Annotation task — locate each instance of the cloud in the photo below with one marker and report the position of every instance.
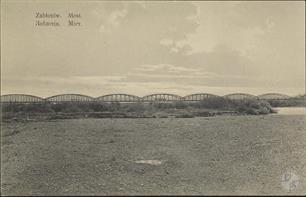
(183, 76)
(113, 20)
(124, 46)
(165, 69)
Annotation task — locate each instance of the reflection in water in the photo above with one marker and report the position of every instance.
(291, 110)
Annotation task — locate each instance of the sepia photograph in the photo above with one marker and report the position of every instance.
(126, 98)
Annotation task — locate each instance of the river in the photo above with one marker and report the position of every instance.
(291, 110)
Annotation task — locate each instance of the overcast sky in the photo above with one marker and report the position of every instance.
(153, 47)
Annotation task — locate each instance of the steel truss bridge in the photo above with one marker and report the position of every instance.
(127, 98)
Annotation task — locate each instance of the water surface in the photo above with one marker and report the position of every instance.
(291, 110)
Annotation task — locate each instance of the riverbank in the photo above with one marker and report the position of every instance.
(290, 110)
(209, 107)
(7, 117)
(234, 155)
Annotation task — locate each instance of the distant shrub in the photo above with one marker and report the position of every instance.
(42, 108)
(248, 106)
(27, 107)
(251, 111)
(135, 107)
(71, 109)
(164, 105)
(66, 107)
(211, 103)
(252, 106)
(180, 105)
(99, 107)
(114, 106)
(185, 115)
(160, 115)
(287, 103)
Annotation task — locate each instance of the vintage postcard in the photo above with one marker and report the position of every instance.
(152, 98)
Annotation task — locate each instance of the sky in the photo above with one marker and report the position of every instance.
(143, 48)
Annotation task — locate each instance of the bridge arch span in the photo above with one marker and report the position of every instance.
(199, 97)
(20, 98)
(70, 98)
(240, 96)
(118, 98)
(161, 97)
